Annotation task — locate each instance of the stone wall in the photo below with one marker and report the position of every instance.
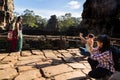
(100, 16)
(6, 12)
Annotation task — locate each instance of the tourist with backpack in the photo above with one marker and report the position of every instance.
(101, 61)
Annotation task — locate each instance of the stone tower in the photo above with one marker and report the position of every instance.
(6, 12)
(102, 16)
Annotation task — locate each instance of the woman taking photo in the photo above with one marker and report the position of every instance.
(101, 58)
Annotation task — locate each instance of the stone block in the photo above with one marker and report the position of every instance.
(75, 75)
(29, 75)
(8, 74)
(55, 70)
(76, 65)
(49, 54)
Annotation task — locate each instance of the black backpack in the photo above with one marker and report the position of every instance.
(116, 57)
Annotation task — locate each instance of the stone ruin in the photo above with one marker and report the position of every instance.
(6, 12)
(101, 16)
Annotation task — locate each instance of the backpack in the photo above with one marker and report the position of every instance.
(116, 57)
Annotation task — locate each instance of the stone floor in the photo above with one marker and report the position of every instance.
(44, 65)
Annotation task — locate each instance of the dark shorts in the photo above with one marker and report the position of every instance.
(84, 52)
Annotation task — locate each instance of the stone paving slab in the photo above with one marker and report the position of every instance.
(27, 62)
(41, 78)
(76, 65)
(26, 68)
(58, 54)
(31, 57)
(75, 52)
(55, 70)
(86, 71)
(49, 54)
(29, 75)
(68, 60)
(26, 53)
(87, 65)
(43, 65)
(6, 65)
(10, 58)
(8, 73)
(15, 54)
(62, 51)
(2, 56)
(37, 52)
(74, 75)
(66, 54)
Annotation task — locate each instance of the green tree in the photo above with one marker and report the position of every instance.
(67, 21)
(41, 22)
(29, 18)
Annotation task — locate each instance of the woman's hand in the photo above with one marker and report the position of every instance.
(90, 45)
(81, 35)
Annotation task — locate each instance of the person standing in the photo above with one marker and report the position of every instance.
(18, 33)
(89, 40)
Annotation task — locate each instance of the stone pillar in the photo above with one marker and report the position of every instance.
(6, 12)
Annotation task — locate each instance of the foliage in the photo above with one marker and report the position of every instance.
(61, 23)
(28, 18)
(32, 20)
(67, 21)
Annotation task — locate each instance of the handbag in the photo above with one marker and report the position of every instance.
(10, 35)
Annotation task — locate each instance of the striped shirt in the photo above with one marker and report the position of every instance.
(104, 59)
